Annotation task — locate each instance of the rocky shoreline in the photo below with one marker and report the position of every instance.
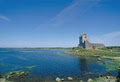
(22, 76)
(11, 76)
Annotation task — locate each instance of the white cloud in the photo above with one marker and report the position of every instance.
(72, 10)
(65, 10)
(4, 18)
(110, 39)
(83, 5)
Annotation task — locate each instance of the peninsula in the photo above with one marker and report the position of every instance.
(86, 48)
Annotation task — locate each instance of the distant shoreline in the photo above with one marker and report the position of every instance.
(47, 48)
(38, 47)
(54, 47)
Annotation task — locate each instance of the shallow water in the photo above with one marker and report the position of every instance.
(48, 63)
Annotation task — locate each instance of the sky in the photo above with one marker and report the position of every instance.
(58, 23)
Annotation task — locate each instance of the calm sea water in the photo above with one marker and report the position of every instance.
(48, 63)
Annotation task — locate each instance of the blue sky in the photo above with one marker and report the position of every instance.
(58, 23)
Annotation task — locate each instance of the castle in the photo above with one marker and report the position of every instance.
(84, 42)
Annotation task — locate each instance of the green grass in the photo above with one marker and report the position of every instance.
(108, 52)
(112, 49)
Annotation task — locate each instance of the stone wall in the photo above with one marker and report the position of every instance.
(87, 45)
(93, 45)
(97, 45)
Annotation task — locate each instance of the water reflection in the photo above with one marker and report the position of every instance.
(83, 66)
(90, 67)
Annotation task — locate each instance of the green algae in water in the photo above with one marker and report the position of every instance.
(104, 79)
(2, 64)
(113, 65)
(31, 67)
(110, 64)
(22, 67)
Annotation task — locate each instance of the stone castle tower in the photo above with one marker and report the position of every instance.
(84, 42)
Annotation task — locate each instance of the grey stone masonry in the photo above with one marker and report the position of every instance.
(84, 42)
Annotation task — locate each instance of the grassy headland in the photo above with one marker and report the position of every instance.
(102, 52)
(112, 53)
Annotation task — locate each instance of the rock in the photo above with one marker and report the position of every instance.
(99, 59)
(58, 79)
(8, 76)
(111, 50)
(90, 80)
(62, 79)
(11, 73)
(100, 75)
(108, 77)
(16, 75)
(22, 72)
(2, 80)
(111, 77)
(77, 50)
(70, 78)
(81, 80)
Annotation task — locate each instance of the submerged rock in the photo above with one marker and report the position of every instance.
(99, 59)
(90, 80)
(4, 80)
(62, 79)
(109, 77)
(81, 80)
(70, 78)
(58, 79)
(16, 75)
